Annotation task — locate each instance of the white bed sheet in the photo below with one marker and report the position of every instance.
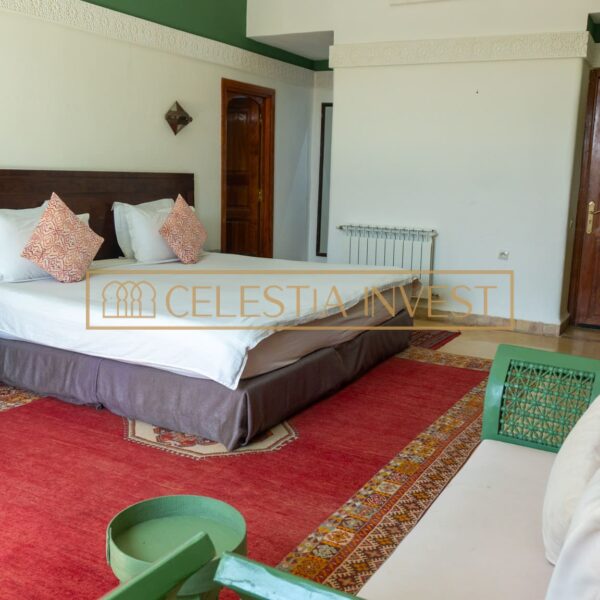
(53, 314)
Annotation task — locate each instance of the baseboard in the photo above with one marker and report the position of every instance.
(565, 322)
(480, 321)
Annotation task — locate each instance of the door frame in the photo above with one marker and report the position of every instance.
(229, 86)
(582, 201)
(324, 107)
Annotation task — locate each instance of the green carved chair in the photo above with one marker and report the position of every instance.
(251, 580)
(534, 397)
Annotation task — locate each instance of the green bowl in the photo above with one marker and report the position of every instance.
(147, 531)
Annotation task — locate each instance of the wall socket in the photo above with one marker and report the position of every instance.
(503, 255)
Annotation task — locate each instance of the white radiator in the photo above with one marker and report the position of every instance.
(401, 247)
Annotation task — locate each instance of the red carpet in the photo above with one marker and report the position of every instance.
(67, 470)
(432, 338)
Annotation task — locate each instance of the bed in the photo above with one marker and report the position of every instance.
(227, 386)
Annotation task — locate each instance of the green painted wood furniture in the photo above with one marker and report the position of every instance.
(148, 531)
(189, 548)
(534, 397)
(166, 574)
(252, 580)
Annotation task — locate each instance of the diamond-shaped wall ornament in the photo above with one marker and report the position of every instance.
(177, 118)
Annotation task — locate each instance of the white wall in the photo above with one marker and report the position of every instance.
(74, 100)
(377, 20)
(323, 92)
(483, 153)
(486, 153)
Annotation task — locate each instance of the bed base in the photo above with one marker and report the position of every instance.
(198, 406)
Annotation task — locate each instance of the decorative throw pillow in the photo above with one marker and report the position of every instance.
(184, 233)
(61, 244)
(577, 572)
(16, 227)
(120, 212)
(574, 466)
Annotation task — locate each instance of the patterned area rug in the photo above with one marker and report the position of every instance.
(11, 397)
(434, 357)
(71, 464)
(199, 448)
(345, 550)
(433, 339)
(182, 444)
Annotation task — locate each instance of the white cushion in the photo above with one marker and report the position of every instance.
(480, 538)
(147, 243)
(120, 212)
(577, 572)
(16, 228)
(576, 462)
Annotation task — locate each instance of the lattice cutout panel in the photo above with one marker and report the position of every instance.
(541, 403)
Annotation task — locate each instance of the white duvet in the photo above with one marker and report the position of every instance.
(54, 314)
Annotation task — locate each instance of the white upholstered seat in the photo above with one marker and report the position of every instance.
(482, 538)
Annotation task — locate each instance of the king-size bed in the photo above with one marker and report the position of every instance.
(226, 383)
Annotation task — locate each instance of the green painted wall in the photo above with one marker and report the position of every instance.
(594, 29)
(220, 20)
(321, 65)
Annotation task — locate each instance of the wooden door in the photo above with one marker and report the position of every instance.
(247, 154)
(585, 284)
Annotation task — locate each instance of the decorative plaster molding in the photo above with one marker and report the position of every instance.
(124, 28)
(477, 49)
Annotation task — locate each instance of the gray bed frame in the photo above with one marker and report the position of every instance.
(196, 406)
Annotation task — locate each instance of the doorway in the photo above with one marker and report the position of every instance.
(247, 159)
(584, 300)
(324, 178)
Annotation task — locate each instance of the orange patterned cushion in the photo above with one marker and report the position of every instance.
(61, 244)
(184, 233)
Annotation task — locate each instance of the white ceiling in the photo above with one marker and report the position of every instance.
(313, 45)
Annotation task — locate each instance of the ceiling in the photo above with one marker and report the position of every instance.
(313, 45)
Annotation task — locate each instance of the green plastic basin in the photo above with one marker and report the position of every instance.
(148, 530)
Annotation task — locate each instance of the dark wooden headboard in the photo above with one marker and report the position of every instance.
(92, 192)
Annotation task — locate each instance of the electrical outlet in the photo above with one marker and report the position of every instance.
(503, 255)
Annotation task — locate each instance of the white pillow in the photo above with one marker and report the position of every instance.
(577, 572)
(120, 211)
(574, 466)
(16, 228)
(144, 228)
